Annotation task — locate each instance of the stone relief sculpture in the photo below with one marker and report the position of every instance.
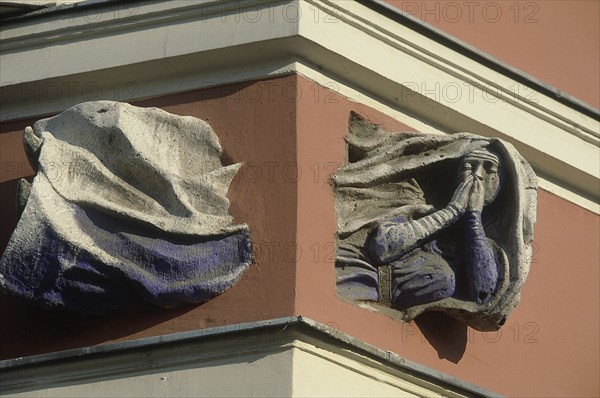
(128, 204)
(433, 222)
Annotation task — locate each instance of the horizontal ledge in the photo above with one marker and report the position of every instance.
(144, 342)
(298, 328)
(206, 8)
(262, 60)
(481, 57)
(561, 141)
(433, 62)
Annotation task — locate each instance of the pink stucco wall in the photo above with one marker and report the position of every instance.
(555, 41)
(289, 143)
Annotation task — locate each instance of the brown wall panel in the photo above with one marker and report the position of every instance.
(548, 346)
(289, 134)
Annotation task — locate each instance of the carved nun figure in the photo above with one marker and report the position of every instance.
(432, 222)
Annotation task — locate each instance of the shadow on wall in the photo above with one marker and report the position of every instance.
(55, 330)
(447, 335)
(8, 210)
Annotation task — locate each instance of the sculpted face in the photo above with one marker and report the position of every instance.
(483, 165)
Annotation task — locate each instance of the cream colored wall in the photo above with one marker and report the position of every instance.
(242, 376)
(236, 376)
(323, 373)
(278, 363)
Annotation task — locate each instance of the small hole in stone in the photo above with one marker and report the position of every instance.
(482, 296)
(102, 110)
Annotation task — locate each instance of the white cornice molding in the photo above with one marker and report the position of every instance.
(241, 344)
(150, 49)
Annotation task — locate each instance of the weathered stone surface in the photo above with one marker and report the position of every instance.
(431, 222)
(127, 204)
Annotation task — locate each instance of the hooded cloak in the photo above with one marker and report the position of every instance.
(409, 175)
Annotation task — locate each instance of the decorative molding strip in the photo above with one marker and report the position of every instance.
(418, 78)
(479, 56)
(117, 19)
(152, 49)
(479, 77)
(231, 341)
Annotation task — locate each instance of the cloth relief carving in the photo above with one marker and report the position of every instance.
(128, 204)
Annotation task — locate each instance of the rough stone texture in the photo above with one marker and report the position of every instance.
(127, 204)
(433, 223)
